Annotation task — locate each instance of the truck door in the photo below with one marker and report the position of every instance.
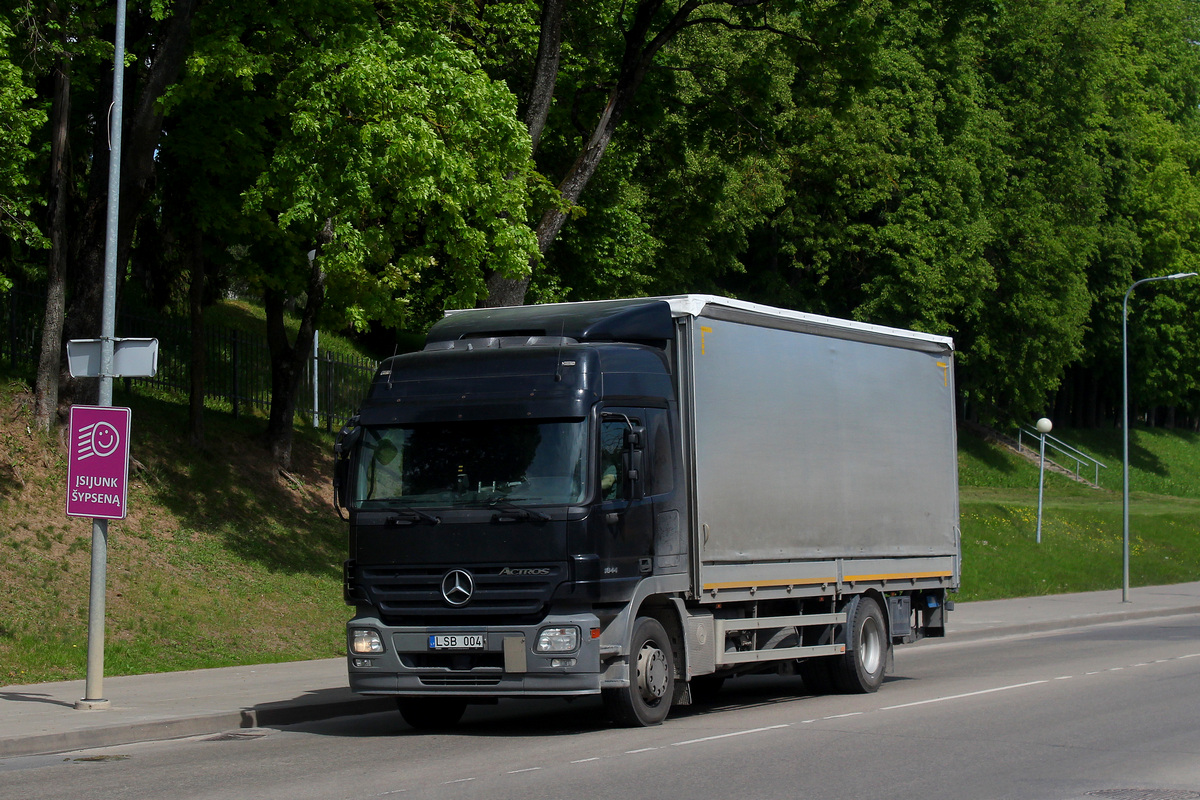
(623, 527)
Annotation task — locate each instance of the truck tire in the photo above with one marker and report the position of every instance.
(431, 713)
(860, 670)
(647, 699)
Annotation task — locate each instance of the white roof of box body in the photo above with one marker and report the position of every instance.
(696, 305)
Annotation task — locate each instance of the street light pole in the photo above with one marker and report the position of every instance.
(94, 699)
(1125, 423)
(1044, 426)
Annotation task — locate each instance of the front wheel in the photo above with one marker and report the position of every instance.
(647, 699)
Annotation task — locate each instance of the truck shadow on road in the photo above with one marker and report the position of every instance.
(518, 718)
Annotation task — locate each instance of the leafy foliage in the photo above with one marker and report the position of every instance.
(20, 117)
(415, 160)
(998, 172)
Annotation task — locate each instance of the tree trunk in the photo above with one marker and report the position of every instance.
(639, 54)
(85, 268)
(545, 71)
(284, 380)
(50, 358)
(196, 368)
(287, 360)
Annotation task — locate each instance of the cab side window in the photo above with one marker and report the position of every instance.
(658, 461)
(612, 459)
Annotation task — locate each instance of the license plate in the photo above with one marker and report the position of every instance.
(457, 641)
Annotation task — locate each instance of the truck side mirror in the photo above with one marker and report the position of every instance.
(341, 470)
(343, 447)
(634, 462)
(634, 436)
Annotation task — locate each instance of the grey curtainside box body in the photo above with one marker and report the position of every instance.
(813, 439)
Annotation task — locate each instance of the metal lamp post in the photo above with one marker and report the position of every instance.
(1125, 422)
(1044, 426)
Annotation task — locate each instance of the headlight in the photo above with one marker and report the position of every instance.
(558, 640)
(365, 641)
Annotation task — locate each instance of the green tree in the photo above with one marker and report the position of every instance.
(1151, 224)
(961, 192)
(58, 42)
(399, 160)
(354, 169)
(72, 44)
(20, 116)
(606, 62)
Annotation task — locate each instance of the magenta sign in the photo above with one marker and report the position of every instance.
(98, 466)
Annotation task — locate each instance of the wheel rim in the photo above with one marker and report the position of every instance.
(870, 646)
(653, 673)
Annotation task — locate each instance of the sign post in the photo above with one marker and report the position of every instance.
(93, 699)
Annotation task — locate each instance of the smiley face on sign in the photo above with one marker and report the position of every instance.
(99, 439)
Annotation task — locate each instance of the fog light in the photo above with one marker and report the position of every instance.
(363, 663)
(562, 662)
(365, 641)
(558, 640)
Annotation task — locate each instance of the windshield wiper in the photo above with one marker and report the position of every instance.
(411, 516)
(514, 510)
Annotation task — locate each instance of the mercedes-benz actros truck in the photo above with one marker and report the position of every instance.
(641, 498)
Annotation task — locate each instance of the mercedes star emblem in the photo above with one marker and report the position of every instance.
(457, 587)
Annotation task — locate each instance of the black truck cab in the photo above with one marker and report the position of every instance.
(508, 488)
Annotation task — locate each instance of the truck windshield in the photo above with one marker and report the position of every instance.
(463, 464)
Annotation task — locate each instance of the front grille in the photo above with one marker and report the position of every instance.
(413, 595)
(459, 662)
(459, 680)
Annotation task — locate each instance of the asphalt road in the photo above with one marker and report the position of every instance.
(1108, 711)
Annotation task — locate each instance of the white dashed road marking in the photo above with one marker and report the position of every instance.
(749, 731)
(961, 696)
(727, 735)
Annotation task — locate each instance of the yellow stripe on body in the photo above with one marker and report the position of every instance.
(897, 576)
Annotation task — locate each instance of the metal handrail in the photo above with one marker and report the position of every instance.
(1078, 456)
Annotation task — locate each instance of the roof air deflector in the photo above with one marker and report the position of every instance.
(645, 321)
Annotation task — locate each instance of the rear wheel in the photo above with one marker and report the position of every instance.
(860, 670)
(647, 699)
(431, 713)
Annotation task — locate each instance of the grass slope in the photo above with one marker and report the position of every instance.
(1081, 547)
(222, 561)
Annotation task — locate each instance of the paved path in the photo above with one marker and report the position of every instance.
(41, 718)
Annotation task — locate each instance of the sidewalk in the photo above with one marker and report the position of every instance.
(41, 718)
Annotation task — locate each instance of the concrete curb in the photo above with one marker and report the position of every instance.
(121, 733)
(1044, 626)
(265, 716)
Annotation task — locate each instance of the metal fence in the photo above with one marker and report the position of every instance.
(237, 373)
(1065, 453)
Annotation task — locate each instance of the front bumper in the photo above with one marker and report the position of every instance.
(506, 667)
